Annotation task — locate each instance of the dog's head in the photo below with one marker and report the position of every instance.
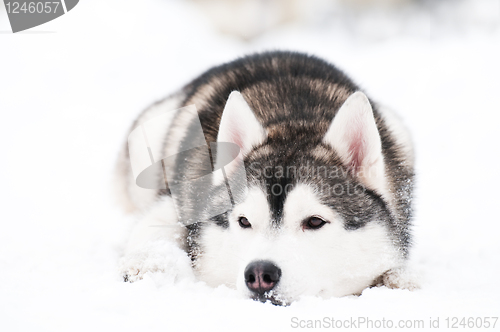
(313, 217)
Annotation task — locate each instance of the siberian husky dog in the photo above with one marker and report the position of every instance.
(324, 208)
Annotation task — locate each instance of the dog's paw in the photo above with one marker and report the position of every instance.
(134, 266)
(398, 279)
(155, 257)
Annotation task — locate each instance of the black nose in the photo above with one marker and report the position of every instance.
(262, 276)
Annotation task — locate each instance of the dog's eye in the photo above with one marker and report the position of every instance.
(313, 223)
(244, 223)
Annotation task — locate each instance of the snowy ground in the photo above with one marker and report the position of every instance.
(69, 90)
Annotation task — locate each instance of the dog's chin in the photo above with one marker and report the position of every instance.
(272, 297)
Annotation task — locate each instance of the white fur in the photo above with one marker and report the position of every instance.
(330, 261)
(223, 257)
(152, 241)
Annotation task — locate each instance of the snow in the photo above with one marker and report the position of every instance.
(70, 89)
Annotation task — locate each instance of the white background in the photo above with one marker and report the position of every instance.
(70, 89)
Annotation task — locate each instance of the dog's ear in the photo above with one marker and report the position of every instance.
(354, 135)
(239, 125)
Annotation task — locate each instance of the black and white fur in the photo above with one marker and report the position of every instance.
(284, 110)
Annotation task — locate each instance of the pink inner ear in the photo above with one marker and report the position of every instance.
(356, 147)
(235, 135)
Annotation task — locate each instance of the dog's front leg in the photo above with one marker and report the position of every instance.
(156, 244)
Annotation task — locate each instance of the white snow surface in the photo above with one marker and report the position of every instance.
(70, 89)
